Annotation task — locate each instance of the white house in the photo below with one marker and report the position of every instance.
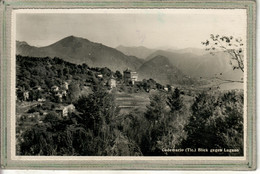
(63, 111)
(111, 82)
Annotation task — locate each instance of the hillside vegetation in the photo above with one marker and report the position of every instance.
(171, 119)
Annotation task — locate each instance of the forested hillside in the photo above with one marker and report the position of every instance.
(173, 119)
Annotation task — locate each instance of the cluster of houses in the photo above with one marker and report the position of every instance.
(129, 77)
(60, 92)
(24, 95)
(57, 92)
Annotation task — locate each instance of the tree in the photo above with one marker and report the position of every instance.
(229, 44)
(97, 109)
(51, 118)
(156, 109)
(65, 71)
(98, 115)
(216, 121)
(174, 101)
(155, 114)
(159, 86)
(25, 85)
(74, 92)
(134, 125)
(34, 82)
(49, 82)
(169, 87)
(118, 75)
(106, 72)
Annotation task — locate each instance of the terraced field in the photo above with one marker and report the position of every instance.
(127, 102)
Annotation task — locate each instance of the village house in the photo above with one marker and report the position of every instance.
(100, 76)
(130, 76)
(41, 99)
(63, 93)
(65, 86)
(63, 111)
(54, 88)
(111, 82)
(25, 95)
(59, 94)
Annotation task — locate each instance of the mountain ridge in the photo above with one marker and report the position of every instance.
(138, 51)
(161, 69)
(174, 66)
(80, 50)
(205, 65)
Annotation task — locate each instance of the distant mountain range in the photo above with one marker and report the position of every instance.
(164, 66)
(204, 65)
(194, 62)
(141, 51)
(161, 69)
(78, 50)
(194, 51)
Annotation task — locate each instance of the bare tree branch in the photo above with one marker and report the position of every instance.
(223, 43)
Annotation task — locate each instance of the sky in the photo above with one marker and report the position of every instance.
(155, 28)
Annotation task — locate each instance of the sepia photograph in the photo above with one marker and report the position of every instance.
(128, 85)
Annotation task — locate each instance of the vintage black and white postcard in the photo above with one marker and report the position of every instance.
(128, 85)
